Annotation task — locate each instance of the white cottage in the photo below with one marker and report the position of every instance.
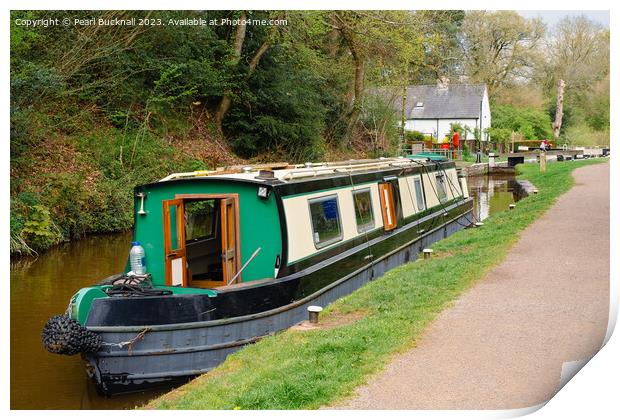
(431, 109)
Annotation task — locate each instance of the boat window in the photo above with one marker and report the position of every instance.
(325, 217)
(419, 194)
(200, 218)
(441, 187)
(363, 210)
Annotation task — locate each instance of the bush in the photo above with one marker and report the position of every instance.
(414, 136)
(39, 231)
(531, 123)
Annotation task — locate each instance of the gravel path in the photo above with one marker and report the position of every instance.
(502, 344)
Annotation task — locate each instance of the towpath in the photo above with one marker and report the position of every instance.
(503, 343)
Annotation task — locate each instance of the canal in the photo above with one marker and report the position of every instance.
(42, 287)
(492, 193)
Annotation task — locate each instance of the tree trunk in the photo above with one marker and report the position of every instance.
(226, 101)
(358, 83)
(257, 56)
(358, 91)
(559, 111)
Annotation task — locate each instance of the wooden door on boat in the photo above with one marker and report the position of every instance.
(174, 243)
(388, 210)
(230, 239)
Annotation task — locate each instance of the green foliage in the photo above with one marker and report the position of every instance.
(95, 196)
(597, 113)
(39, 231)
(314, 368)
(414, 136)
(281, 109)
(532, 123)
(461, 129)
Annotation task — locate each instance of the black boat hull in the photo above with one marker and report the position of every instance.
(149, 355)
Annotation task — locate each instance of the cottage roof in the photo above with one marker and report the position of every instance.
(431, 102)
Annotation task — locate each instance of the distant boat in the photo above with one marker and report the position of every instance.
(237, 254)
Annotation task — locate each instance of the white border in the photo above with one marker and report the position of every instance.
(592, 393)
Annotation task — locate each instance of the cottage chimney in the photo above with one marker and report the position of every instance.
(443, 82)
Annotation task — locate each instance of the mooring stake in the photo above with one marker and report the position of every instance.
(313, 314)
(427, 253)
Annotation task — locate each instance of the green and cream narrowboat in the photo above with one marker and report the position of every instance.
(235, 255)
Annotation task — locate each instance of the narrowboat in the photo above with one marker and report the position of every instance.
(237, 254)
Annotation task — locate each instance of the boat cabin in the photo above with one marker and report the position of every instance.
(216, 229)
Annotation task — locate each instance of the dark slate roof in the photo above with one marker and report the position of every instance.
(455, 101)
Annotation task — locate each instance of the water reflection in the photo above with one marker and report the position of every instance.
(492, 194)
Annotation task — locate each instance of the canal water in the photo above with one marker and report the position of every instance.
(41, 288)
(492, 193)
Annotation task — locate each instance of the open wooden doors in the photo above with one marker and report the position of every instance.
(388, 210)
(230, 250)
(174, 243)
(183, 267)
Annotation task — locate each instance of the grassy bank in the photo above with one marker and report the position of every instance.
(307, 369)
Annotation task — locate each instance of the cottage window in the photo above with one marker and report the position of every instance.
(363, 210)
(419, 194)
(325, 217)
(442, 194)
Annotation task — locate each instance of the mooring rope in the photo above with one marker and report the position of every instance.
(443, 207)
(129, 343)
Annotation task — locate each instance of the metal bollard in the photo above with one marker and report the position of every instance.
(427, 253)
(313, 314)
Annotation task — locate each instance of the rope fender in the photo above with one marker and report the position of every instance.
(63, 335)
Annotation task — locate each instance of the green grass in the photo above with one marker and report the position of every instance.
(307, 369)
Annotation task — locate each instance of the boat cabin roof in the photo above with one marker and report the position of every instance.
(283, 173)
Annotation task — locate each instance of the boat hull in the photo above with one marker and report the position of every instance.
(158, 355)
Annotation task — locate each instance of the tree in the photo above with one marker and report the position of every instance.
(439, 36)
(500, 48)
(253, 59)
(381, 46)
(579, 54)
(578, 51)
